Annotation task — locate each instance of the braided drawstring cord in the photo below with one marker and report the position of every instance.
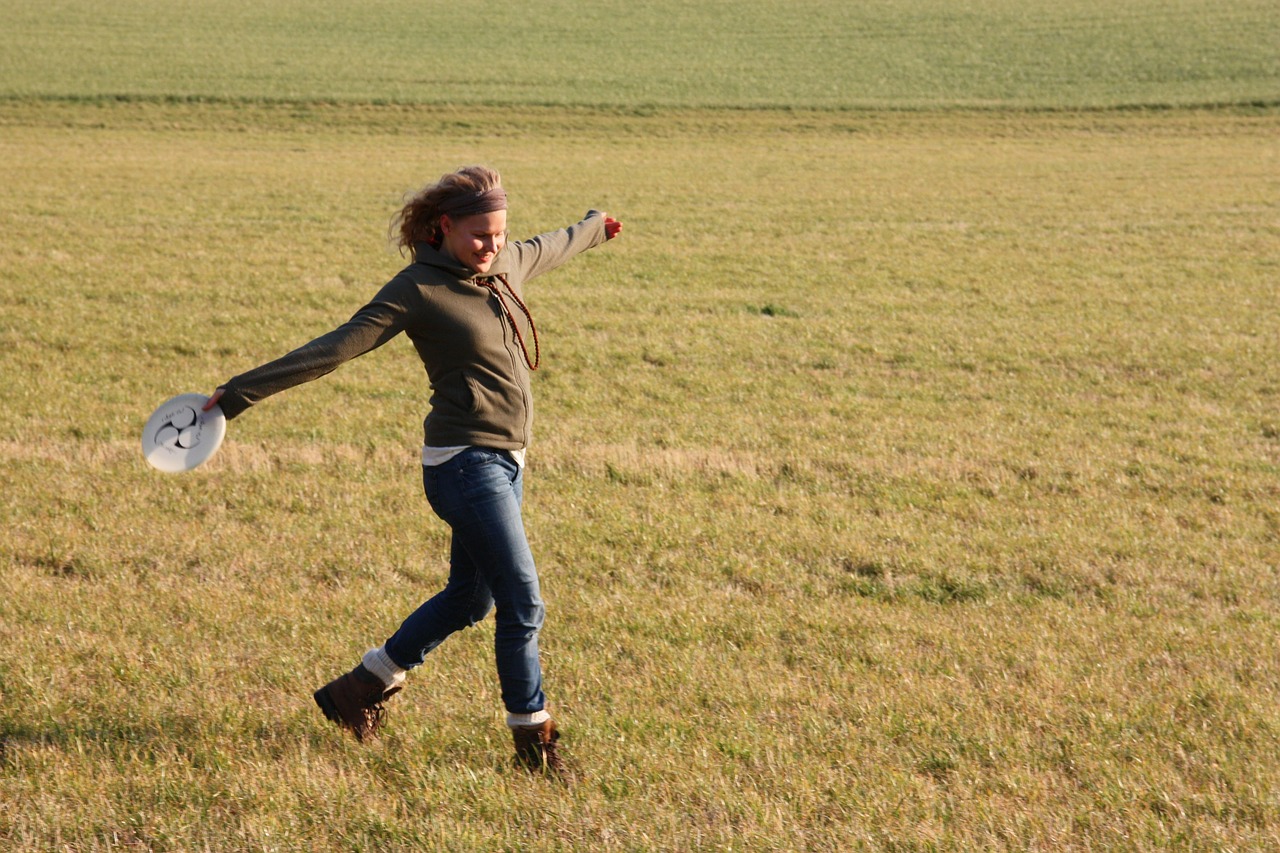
(506, 310)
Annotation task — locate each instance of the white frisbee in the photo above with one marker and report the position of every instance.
(180, 436)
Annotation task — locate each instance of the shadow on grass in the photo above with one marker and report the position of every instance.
(204, 742)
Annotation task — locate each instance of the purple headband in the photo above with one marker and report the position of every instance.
(473, 203)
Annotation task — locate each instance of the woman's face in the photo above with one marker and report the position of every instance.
(475, 240)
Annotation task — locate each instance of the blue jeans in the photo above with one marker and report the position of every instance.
(478, 493)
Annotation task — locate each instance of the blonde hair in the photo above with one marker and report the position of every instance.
(419, 220)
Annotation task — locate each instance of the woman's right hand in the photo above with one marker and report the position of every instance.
(213, 400)
(611, 227)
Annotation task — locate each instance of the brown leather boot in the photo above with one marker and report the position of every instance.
(354, 702)
(536, 750)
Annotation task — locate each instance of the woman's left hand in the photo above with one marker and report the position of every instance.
(611, 227)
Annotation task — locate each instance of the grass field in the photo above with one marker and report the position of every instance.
(904, 479)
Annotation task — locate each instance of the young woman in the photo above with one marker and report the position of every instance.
(461, 302)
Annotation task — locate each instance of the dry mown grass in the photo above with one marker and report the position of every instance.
(901, 482)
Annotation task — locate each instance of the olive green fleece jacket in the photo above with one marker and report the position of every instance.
(480, 390)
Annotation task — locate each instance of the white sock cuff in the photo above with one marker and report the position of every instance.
(537, 718)
(380, 664)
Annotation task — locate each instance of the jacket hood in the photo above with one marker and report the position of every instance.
(425, 253)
